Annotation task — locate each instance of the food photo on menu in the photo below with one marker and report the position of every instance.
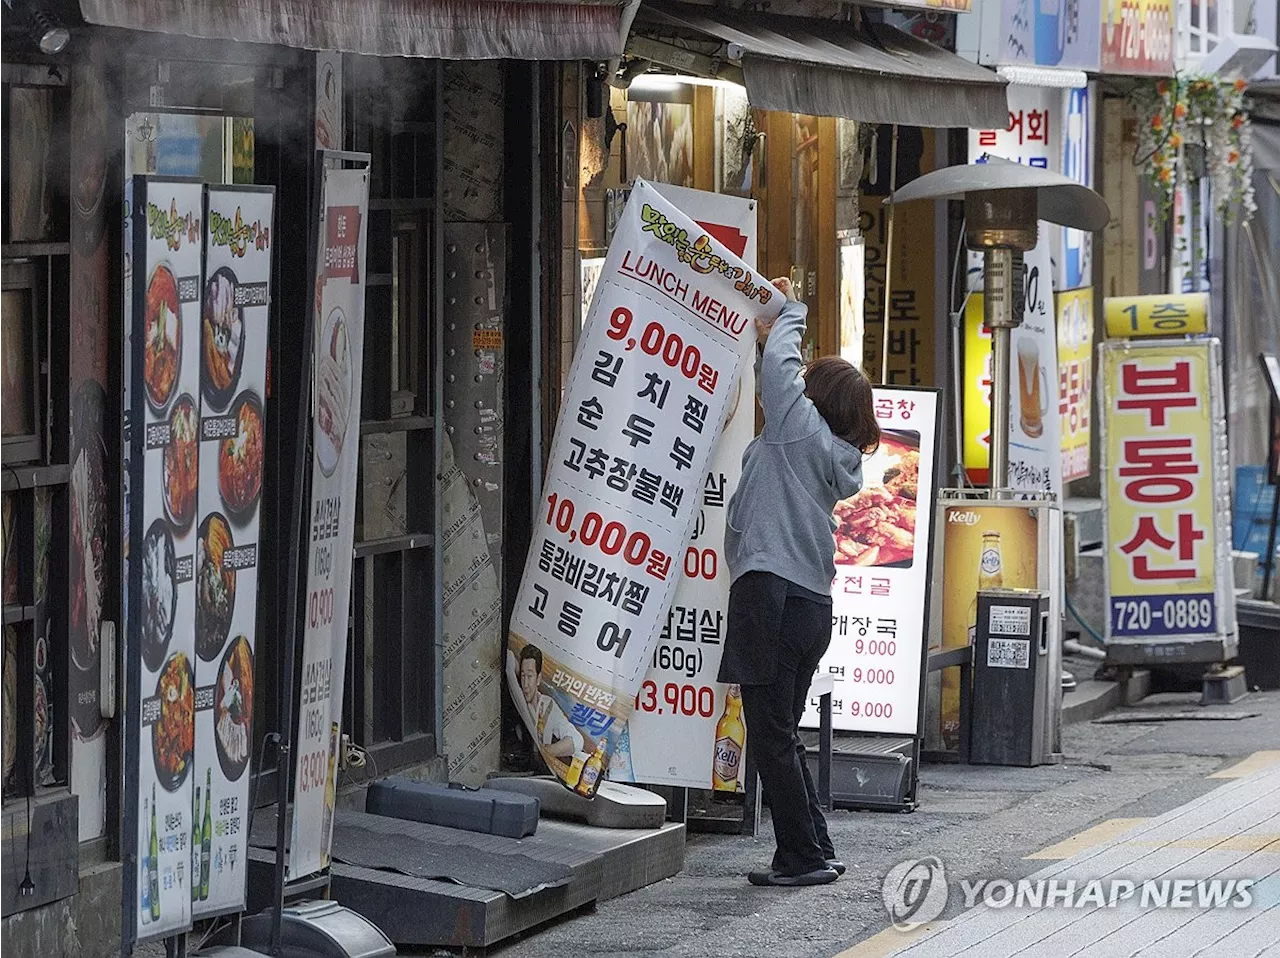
(877, 525)
(162, 354)
(223, 338)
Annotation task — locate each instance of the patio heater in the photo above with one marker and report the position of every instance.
(1003, 204)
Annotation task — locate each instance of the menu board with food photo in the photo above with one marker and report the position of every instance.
(233, 373)
(167, 239)
(878, 599)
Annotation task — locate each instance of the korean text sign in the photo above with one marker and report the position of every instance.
(1034, 443)
(1163, 527)
(1137, 37)
(337, 365)
(1184, 314)
(1075, 380)
(237, 294)
(1033, 134)
(168, 247)
(666, 338)
(883, 564)
(671, 738)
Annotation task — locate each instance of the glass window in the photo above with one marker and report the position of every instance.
(17, 401)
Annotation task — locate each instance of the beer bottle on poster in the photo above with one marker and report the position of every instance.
(574, 775)
(620, 767)
(195, 846)
(731, 737)
(206, 834)
(330, 790)
(146, 872)
(591, 771)
(153, 865)
(990, 575)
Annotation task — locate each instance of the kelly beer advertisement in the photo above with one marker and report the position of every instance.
(985, 546)
(168, 241)
(232, 436)
(657, 368)
(337, 358)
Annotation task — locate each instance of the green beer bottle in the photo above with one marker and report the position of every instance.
(153, 866)
(194, 857)
(206, 833)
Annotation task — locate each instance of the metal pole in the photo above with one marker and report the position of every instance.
(999, 296)
(957, 404)
(888, 257)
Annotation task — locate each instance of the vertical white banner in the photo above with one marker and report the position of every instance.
(666, 743)
(664, 345)
(167, 247)
(233, 373)
(1035, 428)
(336, 376)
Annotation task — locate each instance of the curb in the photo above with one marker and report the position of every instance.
(1094, 698)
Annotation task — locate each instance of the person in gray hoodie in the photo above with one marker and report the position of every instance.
(818, 424)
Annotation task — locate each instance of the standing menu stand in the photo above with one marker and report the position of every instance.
(867, 702)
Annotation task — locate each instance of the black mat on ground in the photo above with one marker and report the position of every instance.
(517, 875)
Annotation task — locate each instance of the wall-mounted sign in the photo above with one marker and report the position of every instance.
(1061, 35)
(1075, 380)
(1130, 317)
(1137, 37)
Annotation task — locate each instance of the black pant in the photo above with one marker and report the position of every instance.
(773, 709)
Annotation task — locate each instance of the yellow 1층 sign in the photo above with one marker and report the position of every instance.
(1133, 316)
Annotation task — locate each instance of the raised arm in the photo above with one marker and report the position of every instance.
(788, 414)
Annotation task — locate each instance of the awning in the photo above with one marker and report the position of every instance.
(877, 74)
(446, 29)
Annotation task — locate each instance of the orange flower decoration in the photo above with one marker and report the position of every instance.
(1233, 157)
(1240, 84)
(1162, 87)
(1180, 110)
(1175, 140)
(1237, 121)
(1157, 122)
(1165, 175)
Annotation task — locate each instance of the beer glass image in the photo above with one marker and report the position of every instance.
(1033, 388)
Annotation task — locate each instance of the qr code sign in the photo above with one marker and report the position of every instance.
(1009, 653)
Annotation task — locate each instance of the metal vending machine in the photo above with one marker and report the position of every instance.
(982, 543)
(1012, 681)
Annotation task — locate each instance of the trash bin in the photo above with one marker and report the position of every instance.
(1012, 678)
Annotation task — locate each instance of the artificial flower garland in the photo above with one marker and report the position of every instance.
(1198, 110)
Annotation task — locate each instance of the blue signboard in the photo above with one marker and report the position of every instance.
(1051, 33)
(1076, 260)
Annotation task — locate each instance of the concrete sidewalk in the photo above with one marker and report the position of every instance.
(1232, 832)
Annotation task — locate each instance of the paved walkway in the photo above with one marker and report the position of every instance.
(1232, 832)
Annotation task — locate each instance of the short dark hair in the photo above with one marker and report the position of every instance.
(843, 397)
(532, 652)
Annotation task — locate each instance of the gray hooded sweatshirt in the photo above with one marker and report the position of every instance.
(793, 473)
